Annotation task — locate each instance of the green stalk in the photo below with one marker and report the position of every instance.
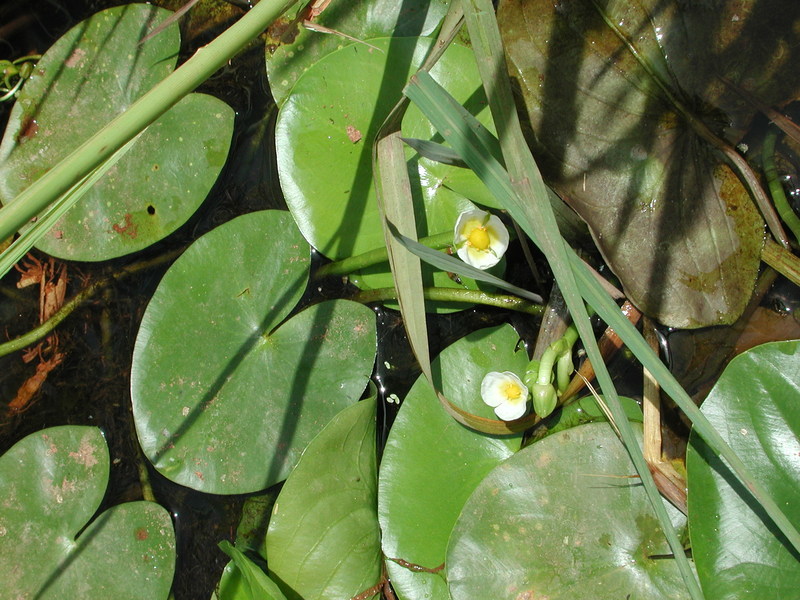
(455, 295)
(142, 113)
(377, 256)
(546, 364)
(42, 330)
(775, 188)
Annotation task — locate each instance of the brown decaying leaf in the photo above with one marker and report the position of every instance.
(669, 216)
(52, 280)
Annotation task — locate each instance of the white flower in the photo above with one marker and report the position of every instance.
(481, 239)
(506, 393)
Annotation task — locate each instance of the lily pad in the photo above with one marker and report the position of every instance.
(431, 464)
(290, 57)
(226, 394)
(323, 539)
(324, 138)
(89, 76)
(755, 406)
(563, 518)
(669, 216)
(53, 482)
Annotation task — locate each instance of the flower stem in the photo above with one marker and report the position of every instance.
(455, 295)
(377, 256)
(775, 188)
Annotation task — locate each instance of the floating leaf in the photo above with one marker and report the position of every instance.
(432, 464)
(323, 539)
(289, 58)
(564, 518)
(53, 482)
(89, 76)
(755, 406)
(225, 394)
(670, 217)
(326, 173)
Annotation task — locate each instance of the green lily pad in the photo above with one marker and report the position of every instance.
(431, 464)
(669, 216)
(288, 58)
(324, 138)
(226, 394)
(323, 539)
(53, 482)
(563, 518)
(89, 76)
(755, 406)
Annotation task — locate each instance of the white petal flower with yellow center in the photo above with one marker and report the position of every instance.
(506, 393)
(481, 239)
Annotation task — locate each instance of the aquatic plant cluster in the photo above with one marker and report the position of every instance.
(403, 165)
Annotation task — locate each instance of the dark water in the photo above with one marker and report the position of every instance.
(91, 386)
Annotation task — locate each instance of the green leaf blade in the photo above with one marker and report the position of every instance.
(233, 414)
(323, 539)
(531, 528)
(754, 405)
(442, 461)
(53, 482)
(79, 86)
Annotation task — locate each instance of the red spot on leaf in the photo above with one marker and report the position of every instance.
(130, 229)
(28, 129)
(353, 134)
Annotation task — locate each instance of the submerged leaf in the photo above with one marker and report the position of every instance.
(669, 216)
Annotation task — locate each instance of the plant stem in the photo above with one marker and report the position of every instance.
(782, 260)
(39, 332)
(775, 188)
(455, 295)
(142, 113)
(376, 257)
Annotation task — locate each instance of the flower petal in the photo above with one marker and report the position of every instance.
(466, 221)
(497, 233)
(509, 411)
(480, 259)
(492, 388)
(495, 391)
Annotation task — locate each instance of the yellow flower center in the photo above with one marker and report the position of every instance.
(478, 238)
(512, 391)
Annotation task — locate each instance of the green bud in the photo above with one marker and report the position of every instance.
(544, 398)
